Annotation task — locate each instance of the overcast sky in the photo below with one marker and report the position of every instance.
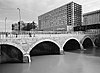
(31, 9)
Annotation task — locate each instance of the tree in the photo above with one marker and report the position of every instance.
(34, 25)
(29, 26)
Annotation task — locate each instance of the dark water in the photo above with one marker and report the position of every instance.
(76, 61)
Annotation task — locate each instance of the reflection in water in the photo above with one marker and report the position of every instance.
(40, 64)
(11, 68)
(44, 64)
(89, 51)
(70, 62)
(93, 51)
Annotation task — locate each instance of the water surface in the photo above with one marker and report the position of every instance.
(77, 61)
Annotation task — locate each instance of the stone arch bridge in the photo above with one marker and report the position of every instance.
(25, 43)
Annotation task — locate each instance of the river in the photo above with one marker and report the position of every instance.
(87, 61)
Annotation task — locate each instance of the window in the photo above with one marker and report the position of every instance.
(85, 20)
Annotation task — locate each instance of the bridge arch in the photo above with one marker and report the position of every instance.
(97, 42)
(15, 45)
(87, 42)
(47, 41)
(10, 53)
(72, 44)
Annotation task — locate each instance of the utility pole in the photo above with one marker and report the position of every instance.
(19, 15)
(5, 23)
(19, 18)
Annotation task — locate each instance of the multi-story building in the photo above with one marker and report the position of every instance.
(62, 18)
(91, 18)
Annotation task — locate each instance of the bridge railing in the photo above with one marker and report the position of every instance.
(41, 32)
(32, 33)
(24, 34)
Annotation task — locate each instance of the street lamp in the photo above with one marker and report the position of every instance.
(5, 23)
(19, 14)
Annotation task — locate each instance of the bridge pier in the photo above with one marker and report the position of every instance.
(82, 48)
(61, 52)
(26, 58)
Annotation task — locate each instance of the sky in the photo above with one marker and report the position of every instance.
(31, 9)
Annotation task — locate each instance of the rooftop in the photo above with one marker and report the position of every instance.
(90, 13)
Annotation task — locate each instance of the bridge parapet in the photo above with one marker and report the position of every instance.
(34, 34)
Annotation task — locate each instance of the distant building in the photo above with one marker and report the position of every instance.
(91, 21)
(21, 26)
(91, 18)
(18, 26)
(62, 18)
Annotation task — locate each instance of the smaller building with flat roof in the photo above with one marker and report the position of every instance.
(91, 18)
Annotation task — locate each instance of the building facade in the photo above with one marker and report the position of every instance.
(62, 18)
(91, 21)
(91, 18)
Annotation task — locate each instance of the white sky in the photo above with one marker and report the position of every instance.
(31, 9)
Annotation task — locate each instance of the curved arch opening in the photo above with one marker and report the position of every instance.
(45, 48)
(72, 45)
(87, 43)
(10, 54)
(97, 42)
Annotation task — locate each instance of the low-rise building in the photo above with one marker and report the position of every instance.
(91, 18)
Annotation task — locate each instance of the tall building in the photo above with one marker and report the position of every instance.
(62, 18)
(91, 18)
